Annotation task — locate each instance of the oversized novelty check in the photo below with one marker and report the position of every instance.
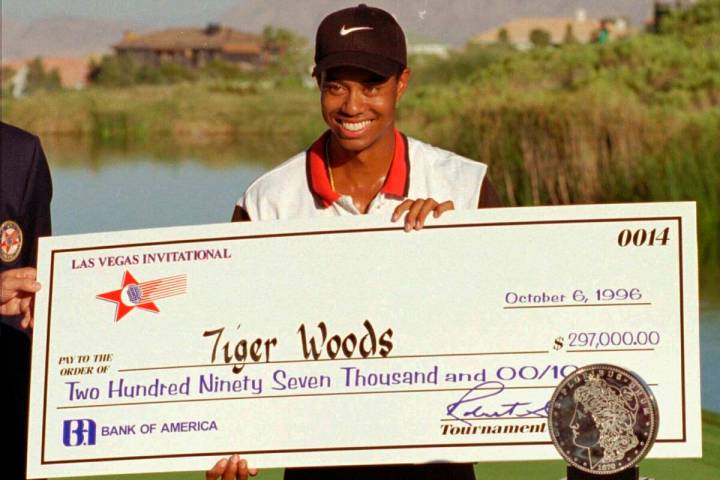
(350, 341)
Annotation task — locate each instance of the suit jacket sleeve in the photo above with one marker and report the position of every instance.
(37, 200)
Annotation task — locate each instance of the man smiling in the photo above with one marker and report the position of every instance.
(360, 165)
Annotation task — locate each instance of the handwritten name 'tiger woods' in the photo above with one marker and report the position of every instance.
(322, 345)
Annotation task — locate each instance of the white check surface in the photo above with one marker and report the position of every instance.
(474, 320)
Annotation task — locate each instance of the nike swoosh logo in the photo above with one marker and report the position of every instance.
(344, 31)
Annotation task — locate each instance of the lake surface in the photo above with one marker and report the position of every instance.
(119, 189)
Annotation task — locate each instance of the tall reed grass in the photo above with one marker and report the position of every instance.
(593, 146)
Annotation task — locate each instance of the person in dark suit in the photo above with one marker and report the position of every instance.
(25, 194)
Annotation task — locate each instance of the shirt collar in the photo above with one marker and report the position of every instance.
(396, 182)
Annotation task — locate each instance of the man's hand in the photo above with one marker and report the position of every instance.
(17, 292)
(233, 468)
(418, 210)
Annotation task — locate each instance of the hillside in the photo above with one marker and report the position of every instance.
(447, 21)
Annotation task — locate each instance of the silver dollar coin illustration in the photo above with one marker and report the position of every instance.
(603, 419)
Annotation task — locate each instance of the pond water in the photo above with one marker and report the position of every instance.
(118, 189)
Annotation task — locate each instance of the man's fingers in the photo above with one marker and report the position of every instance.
(26, 311)
(400, 209)
(412, 214)
(217, 470)
(10, 307)
(443, 207)
(242, 470)
(231, 468)
(31, 313)
(13, 286)
(17, 287)
(418, 210)
(17, 279)
(429, 206)
(27, 321)
(24, 272)
(25, 304)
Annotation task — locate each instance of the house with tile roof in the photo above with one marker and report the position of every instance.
(194, 47)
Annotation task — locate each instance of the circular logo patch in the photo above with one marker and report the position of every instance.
(11, 240)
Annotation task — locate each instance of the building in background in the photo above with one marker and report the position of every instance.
(557, 30)
(441, 50)
(194, 47)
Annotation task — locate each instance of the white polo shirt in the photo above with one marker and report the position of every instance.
(300, 187)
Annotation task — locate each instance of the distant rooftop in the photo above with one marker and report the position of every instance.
(519, 29)
(212, 37)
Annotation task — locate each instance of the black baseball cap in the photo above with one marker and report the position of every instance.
(361, 36)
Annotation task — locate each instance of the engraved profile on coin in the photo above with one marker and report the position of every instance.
(603, 419)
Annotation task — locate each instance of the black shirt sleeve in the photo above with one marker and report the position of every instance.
(37, 201)
(240, 214)
(489, 197)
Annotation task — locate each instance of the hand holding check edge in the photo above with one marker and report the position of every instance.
(17, 293)
(233, 468)
(418, 210)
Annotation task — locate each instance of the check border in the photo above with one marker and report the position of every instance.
(44, 461)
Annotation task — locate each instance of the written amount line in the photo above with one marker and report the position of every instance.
(298, 395)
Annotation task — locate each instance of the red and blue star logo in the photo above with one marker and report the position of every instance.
(143, 295)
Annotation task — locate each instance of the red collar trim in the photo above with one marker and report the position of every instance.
(396, 182)
(318, 178)
(398, 177)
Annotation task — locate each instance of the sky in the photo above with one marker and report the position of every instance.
(153, 12)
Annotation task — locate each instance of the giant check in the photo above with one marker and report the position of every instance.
(349, 341)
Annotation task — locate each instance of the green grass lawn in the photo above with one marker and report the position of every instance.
(706, 468)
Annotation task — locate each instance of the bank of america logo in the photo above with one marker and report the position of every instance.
(79, 432)
(143, 295)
